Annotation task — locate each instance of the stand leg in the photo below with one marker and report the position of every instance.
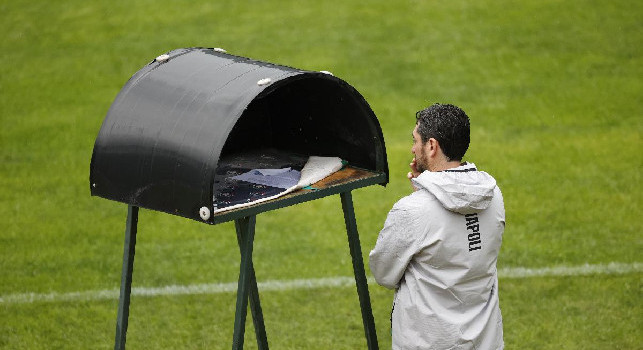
(358, 269)
(126, 277)
(242, 226)
(247, 287)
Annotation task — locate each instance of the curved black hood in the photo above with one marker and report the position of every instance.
(162, 139)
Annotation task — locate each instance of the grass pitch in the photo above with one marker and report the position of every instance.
(552, 88)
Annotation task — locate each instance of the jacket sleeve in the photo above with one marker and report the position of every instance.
(396, 245)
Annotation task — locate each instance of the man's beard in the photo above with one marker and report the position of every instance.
(420, 163)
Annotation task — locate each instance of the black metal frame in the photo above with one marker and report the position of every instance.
(247, 292)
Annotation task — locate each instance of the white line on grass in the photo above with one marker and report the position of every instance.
(277, 285)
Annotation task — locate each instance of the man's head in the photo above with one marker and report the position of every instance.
(443, 128)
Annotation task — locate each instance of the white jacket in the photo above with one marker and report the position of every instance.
(438, 248)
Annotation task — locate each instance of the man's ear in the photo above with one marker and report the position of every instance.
(432, 147)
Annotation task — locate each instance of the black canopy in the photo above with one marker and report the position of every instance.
(162, 139)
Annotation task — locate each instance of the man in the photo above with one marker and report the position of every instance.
(439, 245)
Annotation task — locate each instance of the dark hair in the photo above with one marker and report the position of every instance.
(449, 125)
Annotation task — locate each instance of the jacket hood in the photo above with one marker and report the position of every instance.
(463, 190)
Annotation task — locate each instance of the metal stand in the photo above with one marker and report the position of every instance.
(247, 291)
(358, 270)
(247, 287)
(126, 277)
(248, 283)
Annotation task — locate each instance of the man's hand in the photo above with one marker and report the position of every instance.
(413, 173)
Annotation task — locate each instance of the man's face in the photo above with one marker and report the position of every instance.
(421, 161)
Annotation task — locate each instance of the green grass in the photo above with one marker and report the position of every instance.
(553, 90)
